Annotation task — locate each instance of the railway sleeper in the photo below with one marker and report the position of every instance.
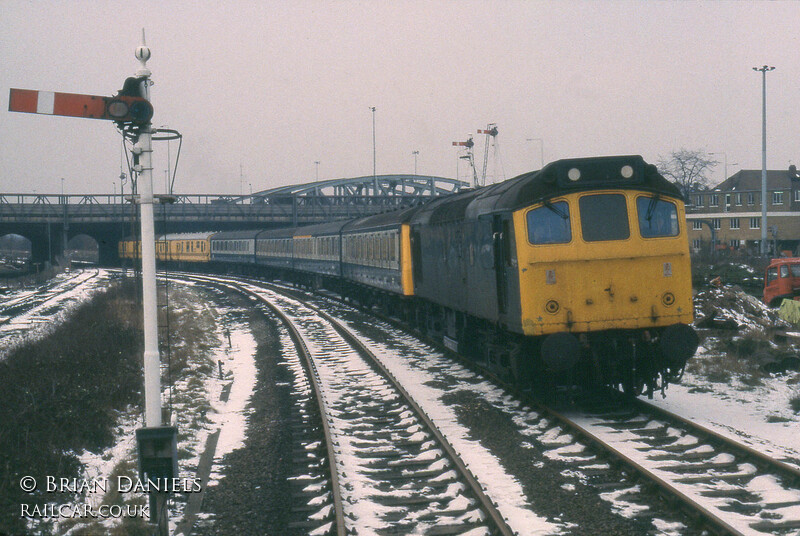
(776, 527)
(449, 530)
(692, 468)
(421, 476)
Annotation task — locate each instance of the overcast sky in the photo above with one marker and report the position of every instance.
(264, 89)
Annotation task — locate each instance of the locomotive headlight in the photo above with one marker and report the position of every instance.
(551, 307)
(626, 172)
(668, 298)
(574, 174)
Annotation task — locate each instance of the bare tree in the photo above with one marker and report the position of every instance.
(688, 170)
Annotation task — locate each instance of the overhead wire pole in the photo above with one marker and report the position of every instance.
(764, 70)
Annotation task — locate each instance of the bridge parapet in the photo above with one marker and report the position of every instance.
(287, 205)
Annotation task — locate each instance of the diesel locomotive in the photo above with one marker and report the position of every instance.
(576, 274)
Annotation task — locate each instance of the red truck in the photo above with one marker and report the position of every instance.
(782, 280)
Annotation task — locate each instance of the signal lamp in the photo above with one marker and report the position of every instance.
(117, 109)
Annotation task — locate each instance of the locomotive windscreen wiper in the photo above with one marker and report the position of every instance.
(564, 215)
(651, 207)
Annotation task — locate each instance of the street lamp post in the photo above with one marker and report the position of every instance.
(316, 163)
(763, 71)
(374, 154)
(416, 154)
(725, 160)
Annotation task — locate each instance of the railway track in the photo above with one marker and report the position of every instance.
(728, 487)
(41, 296)
(722, 486)
(391, 470)
(735, 489)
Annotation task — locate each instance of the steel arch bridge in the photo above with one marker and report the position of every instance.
(388, 190)
(51, 220)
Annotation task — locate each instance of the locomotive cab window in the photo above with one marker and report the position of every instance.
(549, 224)
(604, 217)
(657, 218)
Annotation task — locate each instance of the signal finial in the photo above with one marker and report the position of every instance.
(143, 54)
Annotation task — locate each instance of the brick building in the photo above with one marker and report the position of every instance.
(733, 209)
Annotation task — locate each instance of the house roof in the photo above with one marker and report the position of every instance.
(750, 179)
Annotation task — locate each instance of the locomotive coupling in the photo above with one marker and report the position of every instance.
(678, 343)
(560, 351)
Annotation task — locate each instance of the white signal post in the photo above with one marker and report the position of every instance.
(152, 360)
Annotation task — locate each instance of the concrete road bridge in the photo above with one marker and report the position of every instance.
(50, 221)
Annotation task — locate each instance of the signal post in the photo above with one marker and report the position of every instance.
(132, 111)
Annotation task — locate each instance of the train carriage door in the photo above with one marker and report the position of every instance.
(500, 238)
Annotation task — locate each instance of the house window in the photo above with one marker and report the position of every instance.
(697, 225)
(755, 223)
(734, 243)
(714, 200)
(734, 223)
(696, 243)
(797, 195)
(698, 200)
(751, 199)
(727, 200)
(738, 200)
(716, 223)
(777, 198)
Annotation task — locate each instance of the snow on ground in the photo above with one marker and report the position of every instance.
(54, 304)
(239, 368)
(758, 416)
(194, 426)
(503, 489)
(757, 413)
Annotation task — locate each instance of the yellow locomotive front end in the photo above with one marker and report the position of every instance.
(609, 259)
(605, 275)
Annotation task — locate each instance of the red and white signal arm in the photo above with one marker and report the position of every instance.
(125, 109)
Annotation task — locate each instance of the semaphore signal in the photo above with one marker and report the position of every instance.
(119, 108)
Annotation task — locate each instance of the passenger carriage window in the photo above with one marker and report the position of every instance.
(784, 270)
(604, 217)
(549, 224)
(656, 217)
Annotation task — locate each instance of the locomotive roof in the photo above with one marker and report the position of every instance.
(557, 178)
